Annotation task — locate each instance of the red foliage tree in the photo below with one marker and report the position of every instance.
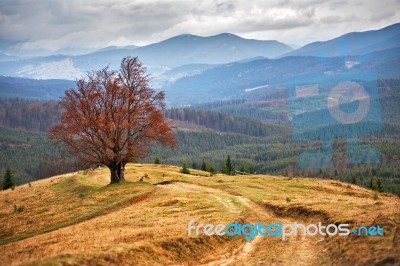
(112, 117)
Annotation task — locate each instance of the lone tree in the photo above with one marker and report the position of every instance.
(8, 179)
(157, 160)
(184, 169)
(228, 168)
(112, 117)
(204, 166)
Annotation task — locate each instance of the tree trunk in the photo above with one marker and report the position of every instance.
(121, 171)
(117, 172)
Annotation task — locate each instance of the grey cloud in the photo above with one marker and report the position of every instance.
(339, 19)
(56, 24)
(382, 15)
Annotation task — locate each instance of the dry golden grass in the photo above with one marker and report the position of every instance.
(78, 219)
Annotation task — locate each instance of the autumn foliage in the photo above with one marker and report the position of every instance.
(112, 117)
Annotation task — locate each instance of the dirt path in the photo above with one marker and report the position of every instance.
(298, 250)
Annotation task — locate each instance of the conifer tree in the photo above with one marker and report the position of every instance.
(203, 166)
(184, 169)
(8, 179)
(229, 168)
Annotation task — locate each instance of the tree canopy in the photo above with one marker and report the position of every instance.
(112, 117)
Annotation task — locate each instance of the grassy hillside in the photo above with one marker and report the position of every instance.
(78, 218)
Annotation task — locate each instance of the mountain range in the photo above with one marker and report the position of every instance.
(194, 69)
(161, 56)
(353, 43)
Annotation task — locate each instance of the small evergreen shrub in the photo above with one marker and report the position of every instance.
(184, 169)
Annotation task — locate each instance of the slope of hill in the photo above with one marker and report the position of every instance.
(353, 43)
(113, 47)
(257, 78)
(78, 219)
(11, 87)
(47, 67)
(31, 156)
(103, 58)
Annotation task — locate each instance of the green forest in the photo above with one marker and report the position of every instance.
(209, 134)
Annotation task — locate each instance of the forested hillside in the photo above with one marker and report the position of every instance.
(13, 87)
(29, 115)
(31, 155)
(256, 134)
(227, 123)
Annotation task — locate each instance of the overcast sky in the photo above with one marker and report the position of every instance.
(54, 25)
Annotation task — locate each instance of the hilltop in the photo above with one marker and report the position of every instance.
(77, 218)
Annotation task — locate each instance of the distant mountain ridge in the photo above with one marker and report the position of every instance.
(11, 87)
(176, 51)
(188, 49)
(217, 49)
(189, 56)
(353, 43)
(200, 83)
(255, 78)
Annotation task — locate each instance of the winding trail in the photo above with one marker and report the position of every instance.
(296, 250)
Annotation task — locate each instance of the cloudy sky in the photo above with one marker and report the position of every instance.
(60, 24)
